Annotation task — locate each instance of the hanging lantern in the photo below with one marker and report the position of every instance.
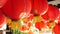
(14, 8)
(39, 7)
(52, 13)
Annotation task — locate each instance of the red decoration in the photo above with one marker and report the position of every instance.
(13, 8)
(39, 7)
(57, 29)
(52, 13)
(39, 25)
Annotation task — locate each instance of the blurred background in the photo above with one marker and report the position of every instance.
(53, 2)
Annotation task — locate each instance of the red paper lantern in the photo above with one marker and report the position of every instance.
(39, 7)
(14, 8)
(52, 13)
